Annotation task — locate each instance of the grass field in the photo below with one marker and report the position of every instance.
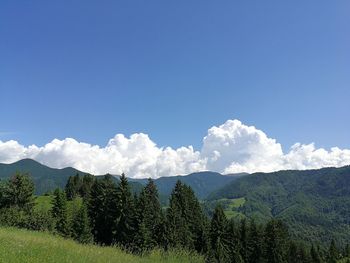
(230, 207)
(43, 202)
(18, 246)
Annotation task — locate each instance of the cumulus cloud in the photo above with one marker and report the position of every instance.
(229, 148)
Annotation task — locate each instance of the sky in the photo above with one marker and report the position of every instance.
(245, 83)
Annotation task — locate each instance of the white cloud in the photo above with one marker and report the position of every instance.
(229, 148)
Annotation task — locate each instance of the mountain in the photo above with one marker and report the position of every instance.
(202, 183)
(314, 203)
(45, 178)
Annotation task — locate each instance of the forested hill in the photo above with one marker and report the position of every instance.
(314, 203)
(47, 179)
(202, 183)
(44, 178)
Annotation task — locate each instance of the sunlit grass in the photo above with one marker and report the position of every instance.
(28, 246)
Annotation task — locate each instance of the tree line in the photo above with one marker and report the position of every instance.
(107, 213)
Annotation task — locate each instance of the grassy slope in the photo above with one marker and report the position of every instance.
(28, 246)
(231, 205)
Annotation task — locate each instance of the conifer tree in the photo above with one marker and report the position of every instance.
(102, 209)
(186, 223)
(149, 214)
(219, 239)
(197, 221)
(254, 244)
(86, 184)
(244, 239)
(293, 253)
(126, 215)
(19, 192)
(235, 242)
(59, 213)
(347, 250)
(178, 232)
(70, 188)
(81, 229)
(275, 242)
(333, 253)
(315, 257)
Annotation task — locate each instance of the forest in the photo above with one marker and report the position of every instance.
(101, 211)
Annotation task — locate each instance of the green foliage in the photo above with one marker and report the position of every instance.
(333, 253)
(60, 213)
(255, 244)
(19, 192)
(150, 219)
(126, 214)
(219, 240)
(102, 209)
(315, 204)
(81, 229)
(79, 186)
(186, 223)
(315, 257)
(275, 241)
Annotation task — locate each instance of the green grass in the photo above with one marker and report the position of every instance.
(17, 246)
(43, 202)
(230, 207)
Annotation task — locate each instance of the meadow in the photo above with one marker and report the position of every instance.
(18, 246)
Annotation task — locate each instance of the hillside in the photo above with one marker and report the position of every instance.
(314, 203)
(31, 247)
(47, 179)
(202, 183)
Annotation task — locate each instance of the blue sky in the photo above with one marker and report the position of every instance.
(91, 69)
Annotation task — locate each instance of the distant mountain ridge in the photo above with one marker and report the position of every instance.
(47, 179)
(44, 177)
(314, 203)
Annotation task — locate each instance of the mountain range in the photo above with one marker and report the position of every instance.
(47, 179)
(315, 204)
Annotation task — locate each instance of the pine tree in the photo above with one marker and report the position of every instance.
(70, 188)
(149, 215)
(126, 221)
(186, 223)
(275, 240)
(315, 257)
(60, 214)
(347, 250)
(235, 242)
(219, 242)
(102, 209)
(86, 185)
(73, 187)
(333, 253)
(254, 244)
(293, 253)
(81, 229)
(19, 192)
(196, 220)
(178, 232)
(244, 240)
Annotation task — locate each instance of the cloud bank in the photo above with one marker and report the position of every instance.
(229, 148)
